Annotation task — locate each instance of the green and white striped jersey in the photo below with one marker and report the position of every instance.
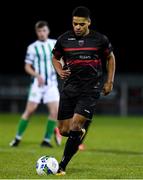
(39, 54)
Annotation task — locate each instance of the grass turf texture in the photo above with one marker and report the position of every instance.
(114, 149)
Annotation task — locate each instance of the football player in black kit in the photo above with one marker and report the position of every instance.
(84, 51)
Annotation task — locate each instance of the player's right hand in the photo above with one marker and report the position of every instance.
(40, 80)
(64, 73)
(107, 88)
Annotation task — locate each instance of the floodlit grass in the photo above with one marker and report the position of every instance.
(114, 149)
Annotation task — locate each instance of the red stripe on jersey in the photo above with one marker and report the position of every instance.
(84, 62)
(82, 48)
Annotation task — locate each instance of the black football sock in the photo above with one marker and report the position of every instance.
(86, 127)
(71, 147)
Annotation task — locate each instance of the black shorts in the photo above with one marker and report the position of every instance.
(74, 100)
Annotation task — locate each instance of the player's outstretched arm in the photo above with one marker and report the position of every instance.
(111, 65)
(58, 67)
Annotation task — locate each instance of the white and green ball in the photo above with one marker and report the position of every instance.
(47, 165)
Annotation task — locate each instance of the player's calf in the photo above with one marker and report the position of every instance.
(75, 136)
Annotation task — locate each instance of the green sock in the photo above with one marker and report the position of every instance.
(21, 128)
(50, 129)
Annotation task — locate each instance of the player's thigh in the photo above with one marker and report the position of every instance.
(31, 106)
(30, 109)
(77, 122)
(66, 107)
(86, 106)
(53, 109)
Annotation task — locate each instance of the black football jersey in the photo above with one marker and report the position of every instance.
(84, 56)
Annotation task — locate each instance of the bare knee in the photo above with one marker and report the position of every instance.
(27, 113)
(53, 115)
(30, 108)
(77, 122)
(76, 125)
(53, 110)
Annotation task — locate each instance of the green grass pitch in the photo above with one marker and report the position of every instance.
(114, 149)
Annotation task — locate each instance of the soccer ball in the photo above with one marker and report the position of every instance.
(47, 165)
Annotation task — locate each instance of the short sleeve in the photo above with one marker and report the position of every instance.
(107, 47)
(30, 55)
(58, 50)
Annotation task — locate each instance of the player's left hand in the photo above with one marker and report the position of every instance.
(40, 80)
(107, 88)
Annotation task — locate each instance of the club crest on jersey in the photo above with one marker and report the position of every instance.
(81, 42)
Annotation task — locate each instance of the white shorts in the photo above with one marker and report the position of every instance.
(43, 94)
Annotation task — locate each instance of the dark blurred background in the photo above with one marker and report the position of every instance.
(121, 21)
